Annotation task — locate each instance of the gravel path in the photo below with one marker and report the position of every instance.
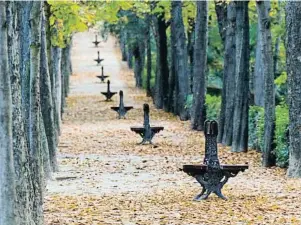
(106, 178)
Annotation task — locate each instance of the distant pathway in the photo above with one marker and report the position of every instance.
(106, 178)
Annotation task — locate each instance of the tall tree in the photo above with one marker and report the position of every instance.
(268, 73)
(228, 94)
(123, 47)
(56, 84)
(172, 80)
(24, 8)
(7, 176)
(221, 14)
(241, 108)
(199, 68)
(181, 60)
(293, 30)
(34, 112)
(139, 56)
(46, 98)
(190, 50)
(149, 57)
(162, 70)
(258, 78)
(20, 149)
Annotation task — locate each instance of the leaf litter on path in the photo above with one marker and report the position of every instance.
(115, 181)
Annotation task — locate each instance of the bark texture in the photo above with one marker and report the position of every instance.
(181, 60)
(56, 55)
(162, 70)
(46, 99)
(241, 108)
(228, 93)
(20, 150)
(149, 58)
(268, 73)
(7, 176)
(199, 69)
(258, 72)
(139, 55)
(293, 52)
(221, 14)
(34, 112)
(25, 36)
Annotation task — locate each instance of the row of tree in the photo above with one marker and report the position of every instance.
(35, 67)
(33, 85)
(179, 32)
(173, 41)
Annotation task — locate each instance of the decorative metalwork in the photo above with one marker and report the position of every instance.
(211, 175)
(102, 77)
(108, 94)
(146, 132)
(121, 110)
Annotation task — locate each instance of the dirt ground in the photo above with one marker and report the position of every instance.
(106, 178)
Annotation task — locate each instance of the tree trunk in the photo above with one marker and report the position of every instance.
(47, 101)
(221, 14)
(7, 174)
(173, 84)
(139, 55)
(190, 51)
(69, 67)
(228, 94)
(24, 11)
(64, 75)
(129, 52)
(123, 48)
(240, 121)
(293, 49)
(277, 44)
(258, 72)
(149, 58)
(56, 55)
(162, 70)
(268, 73)
(200, 56)
(34, 112)
(181, 61)
(20, 150)
(45, 156)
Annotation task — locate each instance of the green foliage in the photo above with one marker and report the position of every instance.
(189, 101)
(213, 106)
(256, 127)
(281, 79)
(256, 132)
(67, 18)
(162, 7)
(215, 52)
(281, 137)
(108, 11)
(153, 74)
